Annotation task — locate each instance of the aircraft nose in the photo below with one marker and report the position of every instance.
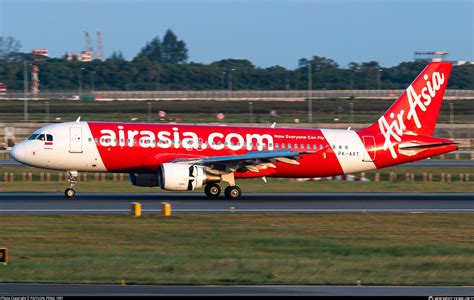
(18, 152)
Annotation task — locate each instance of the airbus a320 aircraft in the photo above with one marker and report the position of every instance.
(187, 157)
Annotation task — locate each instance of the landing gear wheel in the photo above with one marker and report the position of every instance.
(72, 178)
(233, 192)
(70, 193)
(212, 190)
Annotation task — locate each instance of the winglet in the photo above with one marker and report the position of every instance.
(78, 119)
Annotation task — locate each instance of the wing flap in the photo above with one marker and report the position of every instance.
(250, 160)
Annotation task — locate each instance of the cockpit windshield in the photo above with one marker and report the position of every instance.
(41, 137)
(33, 137)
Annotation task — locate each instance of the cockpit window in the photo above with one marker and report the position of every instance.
(41, 137)
(49, 137)
(33, 137)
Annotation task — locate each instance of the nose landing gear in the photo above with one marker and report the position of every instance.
(72, 179)
(70, 193)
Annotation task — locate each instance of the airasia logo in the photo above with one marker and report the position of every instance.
(395, 129)
(188, 139)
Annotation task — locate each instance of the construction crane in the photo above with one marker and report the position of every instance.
(88, 43)
(99, 54)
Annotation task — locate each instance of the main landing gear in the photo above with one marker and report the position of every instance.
(232, 192)
(72, 179)
(213, 190)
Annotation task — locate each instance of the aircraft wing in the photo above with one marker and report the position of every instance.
(248, 161)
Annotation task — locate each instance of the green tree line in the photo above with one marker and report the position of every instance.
(163, 65)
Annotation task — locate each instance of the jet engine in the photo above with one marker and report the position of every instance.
(182, 177)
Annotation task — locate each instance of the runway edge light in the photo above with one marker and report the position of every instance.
(4, 256)
(166, 209)
(136, 209)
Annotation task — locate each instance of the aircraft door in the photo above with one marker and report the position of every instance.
(369, 154)
(75, 140)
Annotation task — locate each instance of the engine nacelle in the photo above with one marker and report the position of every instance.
(148, 180)
(181, 177)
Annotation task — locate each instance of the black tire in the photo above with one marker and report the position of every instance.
(70, 193)
(212, 190)
(233, 192)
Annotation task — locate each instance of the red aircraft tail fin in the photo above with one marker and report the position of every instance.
(417, 109)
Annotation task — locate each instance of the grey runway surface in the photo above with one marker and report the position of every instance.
(52, 203)
(422, 163)
(156, 290)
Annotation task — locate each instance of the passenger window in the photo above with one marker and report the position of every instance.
(296, 146)
(277, 145)
(308, 146)
(283, 146)
(321, 146)
(340, 147)
(96, 140)
(347, 147)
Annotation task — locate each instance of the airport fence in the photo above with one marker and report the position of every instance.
(290, 95)
(407, 177)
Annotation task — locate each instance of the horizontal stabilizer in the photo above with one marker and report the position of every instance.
(410, 146)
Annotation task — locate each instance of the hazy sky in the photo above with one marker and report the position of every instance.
(267, 32)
